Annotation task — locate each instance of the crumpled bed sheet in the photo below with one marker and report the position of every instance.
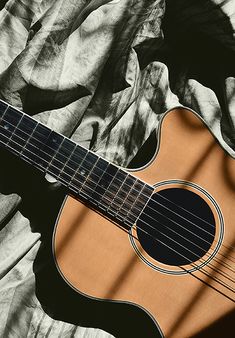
(103, 73)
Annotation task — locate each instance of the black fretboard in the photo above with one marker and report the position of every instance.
(103, 185)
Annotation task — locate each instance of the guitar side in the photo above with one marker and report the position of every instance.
(97, 258)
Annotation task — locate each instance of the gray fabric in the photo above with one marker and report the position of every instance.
(103, 72)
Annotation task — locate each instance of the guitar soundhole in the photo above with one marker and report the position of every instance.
(177, 227)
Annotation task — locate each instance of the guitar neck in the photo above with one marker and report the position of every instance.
(87, 176)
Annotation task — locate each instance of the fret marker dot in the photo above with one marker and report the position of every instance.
(6, 126)
(82, 172)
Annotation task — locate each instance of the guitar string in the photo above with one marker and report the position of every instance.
(216, 279)
(192, 263)
(225, 285)
(198, 246)
(79, 167)
(228, 247)
(110, 175)
(63, 156)
(191, 213)
(187, 220)
(219, 281)
(207, 283)
(92, 168)
(189, 241)
(185, 228)
(155, 201)
(181, 236)
(160, 195)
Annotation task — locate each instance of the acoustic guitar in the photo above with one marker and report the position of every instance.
(160, 237)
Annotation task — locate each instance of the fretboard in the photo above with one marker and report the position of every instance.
(105, 186)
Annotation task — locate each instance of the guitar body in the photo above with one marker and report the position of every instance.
(101, 260)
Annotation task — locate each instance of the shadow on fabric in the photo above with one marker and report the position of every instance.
(40, 203)
(201, 40)
(198, 44)
(2, 4)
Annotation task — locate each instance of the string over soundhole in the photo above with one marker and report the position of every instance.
(177, 228)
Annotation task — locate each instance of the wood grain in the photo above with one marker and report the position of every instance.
(96, 257)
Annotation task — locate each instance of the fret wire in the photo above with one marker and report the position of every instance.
(35, 140)
(62, 155)
(13, 132)
(39, 135)
(88, 167)
(108, 173)
(82, 187)
(100, 189)
(77, 170)
(100, 178)
(126, 200)
(110, 194)
(84, 176)
(51, 148)
(56, 151)
(75, 190)
(51, 172)
(24, 140)
(140, 229)
(133, 205)
(60, 166)
(106, 189)
(25, 148)
(67, 159)
(27, 141)
(13, 149)
(140, 210)
(112, 201)
(116, 202)
(88, 164)
(123, 210)
(113, 196)
(114, 187)
(118, 193)
(135, 191)
(91, 191)
(4, 136)
(141, 198)
(8, 126)
(90, 182)
(103, 184)
(6, 108)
